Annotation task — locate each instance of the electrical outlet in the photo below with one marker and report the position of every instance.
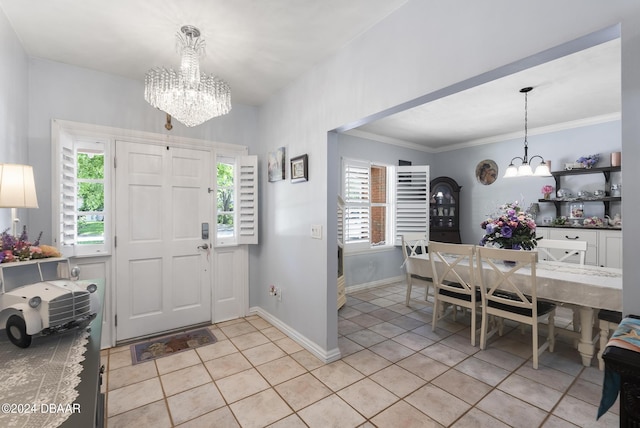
(279, 294)
(316, 231)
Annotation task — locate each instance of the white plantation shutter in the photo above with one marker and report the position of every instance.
(340, 222)
(248, 199)
(356, 198)
(412, 200)
(67, 225)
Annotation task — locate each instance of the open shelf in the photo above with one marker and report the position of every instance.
(606, 171)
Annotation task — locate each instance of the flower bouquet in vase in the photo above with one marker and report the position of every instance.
(511, 228)
(546, 191)
(588, 161)
(19, 248)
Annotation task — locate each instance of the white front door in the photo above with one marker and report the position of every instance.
(163, 278)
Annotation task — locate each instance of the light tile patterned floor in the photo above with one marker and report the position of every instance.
(394, 372)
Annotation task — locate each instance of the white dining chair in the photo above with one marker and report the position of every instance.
(453, 270)
(506, 297)
(559, 250)
(414, 244)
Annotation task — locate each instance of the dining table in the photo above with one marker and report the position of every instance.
(587, 288)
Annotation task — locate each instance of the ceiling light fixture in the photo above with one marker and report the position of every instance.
(524, 169)
(189, 96)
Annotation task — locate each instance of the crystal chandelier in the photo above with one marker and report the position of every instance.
(187, 95)
(524, 169)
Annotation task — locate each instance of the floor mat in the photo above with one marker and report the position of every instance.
(168, 345)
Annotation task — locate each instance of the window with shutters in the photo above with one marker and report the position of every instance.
(382, 202)
(367, 204)
(84, 198)
(236, 200)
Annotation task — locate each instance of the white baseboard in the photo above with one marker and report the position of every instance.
(300, 339)
(374, 284)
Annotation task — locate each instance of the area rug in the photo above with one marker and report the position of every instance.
(172, 344)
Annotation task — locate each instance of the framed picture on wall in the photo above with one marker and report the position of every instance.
(300, 169)
(486, 172)
(275, 165)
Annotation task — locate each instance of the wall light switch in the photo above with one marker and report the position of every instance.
(316, 231)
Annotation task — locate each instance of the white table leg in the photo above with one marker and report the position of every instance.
(586, 347)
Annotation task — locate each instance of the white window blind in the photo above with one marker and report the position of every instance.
(412, 200)
(67, 221)
(356, 181)
(340, 211)
(82, 231)
(248, 200)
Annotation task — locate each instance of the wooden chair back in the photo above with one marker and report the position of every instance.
(546, 248)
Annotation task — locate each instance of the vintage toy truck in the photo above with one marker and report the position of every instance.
(38, 298)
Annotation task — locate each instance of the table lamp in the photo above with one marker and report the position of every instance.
(17, 190)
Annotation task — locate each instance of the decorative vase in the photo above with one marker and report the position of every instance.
(547, 196)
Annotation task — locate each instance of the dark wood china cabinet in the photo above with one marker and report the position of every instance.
(444, 210)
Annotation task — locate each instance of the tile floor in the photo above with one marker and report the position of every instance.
(394, 372)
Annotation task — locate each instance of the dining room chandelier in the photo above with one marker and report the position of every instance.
(188, 95)
(524, 170)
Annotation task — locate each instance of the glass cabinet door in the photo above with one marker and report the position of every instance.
(444, 210)
(443, 206)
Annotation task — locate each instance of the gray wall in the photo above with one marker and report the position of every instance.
(13, 106)
(478, 200)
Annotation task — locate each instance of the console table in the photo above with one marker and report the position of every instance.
(90, 399)
(88, 406)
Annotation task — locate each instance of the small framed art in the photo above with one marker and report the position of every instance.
(300, 169)
(486, 172)
(276, 165)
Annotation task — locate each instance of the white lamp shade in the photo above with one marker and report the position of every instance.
(17, 186)
(525, 170)
(512, 171)
(542, 170)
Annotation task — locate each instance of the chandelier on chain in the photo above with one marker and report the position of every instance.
(525, 170)
(187, 95)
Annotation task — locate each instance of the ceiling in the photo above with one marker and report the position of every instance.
(575, 90)
(256, 46)
(259, 47)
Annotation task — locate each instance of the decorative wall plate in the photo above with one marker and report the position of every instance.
(486, 172)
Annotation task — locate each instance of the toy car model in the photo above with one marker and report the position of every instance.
(35, 300)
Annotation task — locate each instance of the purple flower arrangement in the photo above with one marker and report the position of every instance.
(589, 161)
(512, 229)
(20, 248)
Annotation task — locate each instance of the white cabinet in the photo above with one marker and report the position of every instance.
(604, 246)
(610, 248)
